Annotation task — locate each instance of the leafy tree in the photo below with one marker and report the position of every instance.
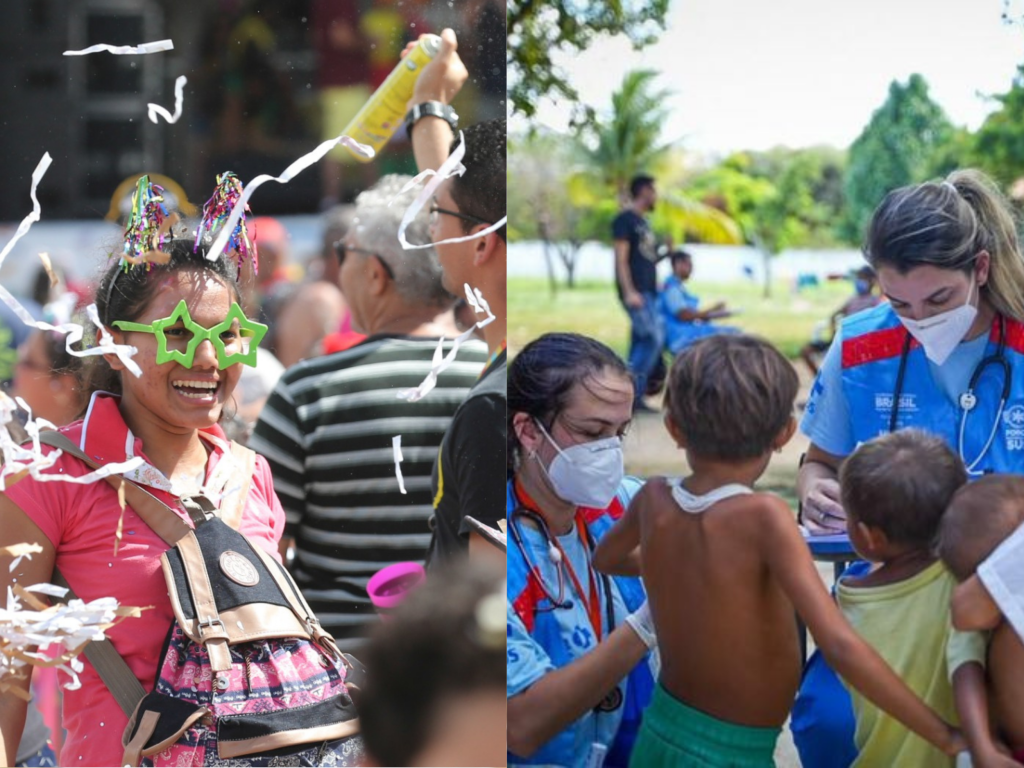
(628, 140)
(536, 30)
(999, 143)
(772, 197)
(896, 148)
(541, 168)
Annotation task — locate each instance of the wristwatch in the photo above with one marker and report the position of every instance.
(435, 109)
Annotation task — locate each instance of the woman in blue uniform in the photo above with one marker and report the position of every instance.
(576, 638)
(944, 354)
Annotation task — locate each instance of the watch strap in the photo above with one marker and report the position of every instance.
(433, 109)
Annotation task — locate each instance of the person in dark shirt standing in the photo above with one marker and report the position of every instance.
(637, 282)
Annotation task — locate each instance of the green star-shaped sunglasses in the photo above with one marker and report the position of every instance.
(248, 331)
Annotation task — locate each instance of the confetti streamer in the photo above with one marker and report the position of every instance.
(19, 460)
(48, 268)
(438, 364)
(37, 210)
(74, 330)
(451, 167)
(396, 445)
(479, 304)
(149, 226)
(20, 552)
(155, 47)
(218, 211)
(118, 534)
(27, 621)
(156, 110)
(289, 173)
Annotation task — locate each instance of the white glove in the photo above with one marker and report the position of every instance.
(642, 623)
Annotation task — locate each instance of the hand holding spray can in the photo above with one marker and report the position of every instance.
(381, 116)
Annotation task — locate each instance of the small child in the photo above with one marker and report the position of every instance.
(895, 490)
(981, 518)
(725, 567)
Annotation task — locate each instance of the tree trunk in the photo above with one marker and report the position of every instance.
(552, 282)
(569, 255)
(766, 258)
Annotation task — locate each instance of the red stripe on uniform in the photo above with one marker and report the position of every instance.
(526, 604)
(874, 346)
(613, 510)
(1014, 335)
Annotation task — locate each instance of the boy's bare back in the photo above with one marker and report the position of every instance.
(726, 630)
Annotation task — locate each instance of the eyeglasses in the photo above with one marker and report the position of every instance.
(341, 249)
(435, 211)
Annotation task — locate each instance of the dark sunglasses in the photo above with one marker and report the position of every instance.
(435, 211)
(341, 249)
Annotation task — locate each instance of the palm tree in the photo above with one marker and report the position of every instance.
(627, 143)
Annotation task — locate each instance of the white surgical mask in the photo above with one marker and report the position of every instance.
(940, 334)
(587, 474)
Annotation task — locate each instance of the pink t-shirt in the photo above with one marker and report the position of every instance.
(80, 521)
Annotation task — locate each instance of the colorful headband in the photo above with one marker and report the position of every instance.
(248, 330)
(149, 226)
(216, 213)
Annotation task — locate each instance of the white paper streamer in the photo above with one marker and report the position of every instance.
(451, 167)
(155, 47)
(30, 458)
(396, 445)
(70, 627)
(179, 95)
(479, 304)
(37, 210)
(74, 330)
(438, 364)
(289, 173)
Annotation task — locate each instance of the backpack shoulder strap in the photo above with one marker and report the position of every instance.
(108, 663)
(162, 519)
(232, 505)
(110, 666)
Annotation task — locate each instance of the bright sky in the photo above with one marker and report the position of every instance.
(752, 74)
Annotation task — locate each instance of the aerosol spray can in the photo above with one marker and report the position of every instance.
(381, 116)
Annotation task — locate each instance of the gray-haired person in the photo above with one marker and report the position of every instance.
(327, 428)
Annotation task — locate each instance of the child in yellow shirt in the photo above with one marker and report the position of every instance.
(895, 490)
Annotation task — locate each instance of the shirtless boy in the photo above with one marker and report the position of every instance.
(725, 567)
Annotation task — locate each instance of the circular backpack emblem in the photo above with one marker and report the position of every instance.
(238, 569)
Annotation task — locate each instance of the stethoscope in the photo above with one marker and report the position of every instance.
(555, 556)
(968, 400)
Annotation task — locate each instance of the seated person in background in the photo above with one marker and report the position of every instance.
(684, 322)
(864, 297)
(980, 518)
(725, 567)
(895, 490)
(437, 696)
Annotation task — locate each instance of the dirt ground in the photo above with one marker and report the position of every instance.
(650, 451)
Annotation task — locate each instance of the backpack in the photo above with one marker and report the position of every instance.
(246, 672)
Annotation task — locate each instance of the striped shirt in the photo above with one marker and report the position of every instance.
(327, 432)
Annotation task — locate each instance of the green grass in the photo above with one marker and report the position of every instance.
(592, 308)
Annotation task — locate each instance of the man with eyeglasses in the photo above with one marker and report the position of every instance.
(469, 474)
(327, 429)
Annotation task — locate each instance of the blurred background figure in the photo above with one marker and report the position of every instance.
(327, 428)
(438, 692)
(864, 297)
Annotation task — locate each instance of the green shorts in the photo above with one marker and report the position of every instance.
(673, 734)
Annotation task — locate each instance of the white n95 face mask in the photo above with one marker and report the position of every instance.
(587, 474)
(940, 334)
